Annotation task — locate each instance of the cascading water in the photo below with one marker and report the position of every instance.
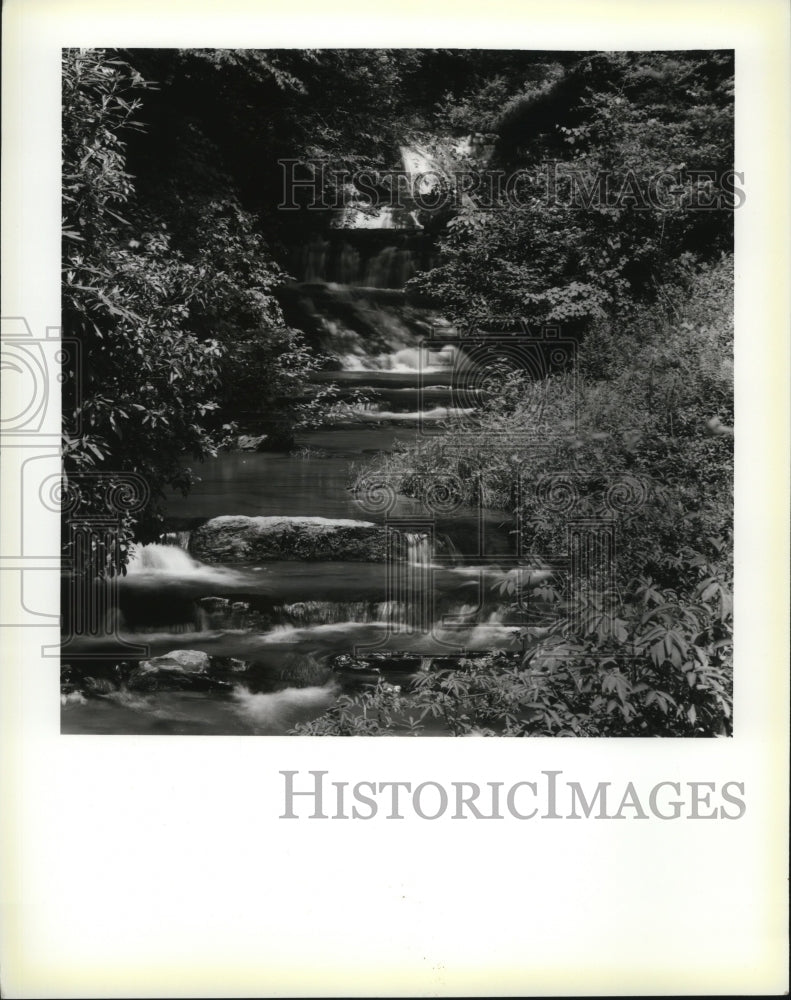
(390, 268)
(273, 628)
(418, 549)
(161, 558)
(179, 538)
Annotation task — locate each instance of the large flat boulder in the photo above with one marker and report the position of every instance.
(237, 539)
(179, 670)
(188, 661)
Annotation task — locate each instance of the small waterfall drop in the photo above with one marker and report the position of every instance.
(178, 538)
(153, 561)
(418, 548)
(410, 583)
(158, 558)
(314, 259)
(392, 267)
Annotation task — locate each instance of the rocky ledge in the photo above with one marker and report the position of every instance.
(179, 670)
(238, 539)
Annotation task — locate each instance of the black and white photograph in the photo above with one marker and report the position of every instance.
(417, 372)
(401, 398)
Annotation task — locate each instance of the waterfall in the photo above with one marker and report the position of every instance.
(172, 562)
(344, 263)
(178, 538)
(418, 548)
(158, 558)
(392, 267)
(286, 619)
(380, 218)
(422, 168)
(348, 265)
(391, 611)
(314, 259)
(402, 359)
(410, 586)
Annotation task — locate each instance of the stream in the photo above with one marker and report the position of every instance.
(284, 637)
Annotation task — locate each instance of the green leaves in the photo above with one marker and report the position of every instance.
(172, 297)
(126, 300)
(567, 244)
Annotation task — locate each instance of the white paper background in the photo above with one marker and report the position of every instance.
(158, 866)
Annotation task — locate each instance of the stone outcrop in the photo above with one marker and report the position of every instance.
(237, 539)
(179, 670)
(251, 442)
(188, 661)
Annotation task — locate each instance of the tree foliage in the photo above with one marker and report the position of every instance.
(168, 284)
(605, 196)
(148, 381)
(653, 395)
(616, 226)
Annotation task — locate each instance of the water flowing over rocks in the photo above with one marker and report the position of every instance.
(238, 539)
(257, 620)
(179, 670)
(188, 661)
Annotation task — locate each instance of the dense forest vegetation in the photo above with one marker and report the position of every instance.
(175, 254)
